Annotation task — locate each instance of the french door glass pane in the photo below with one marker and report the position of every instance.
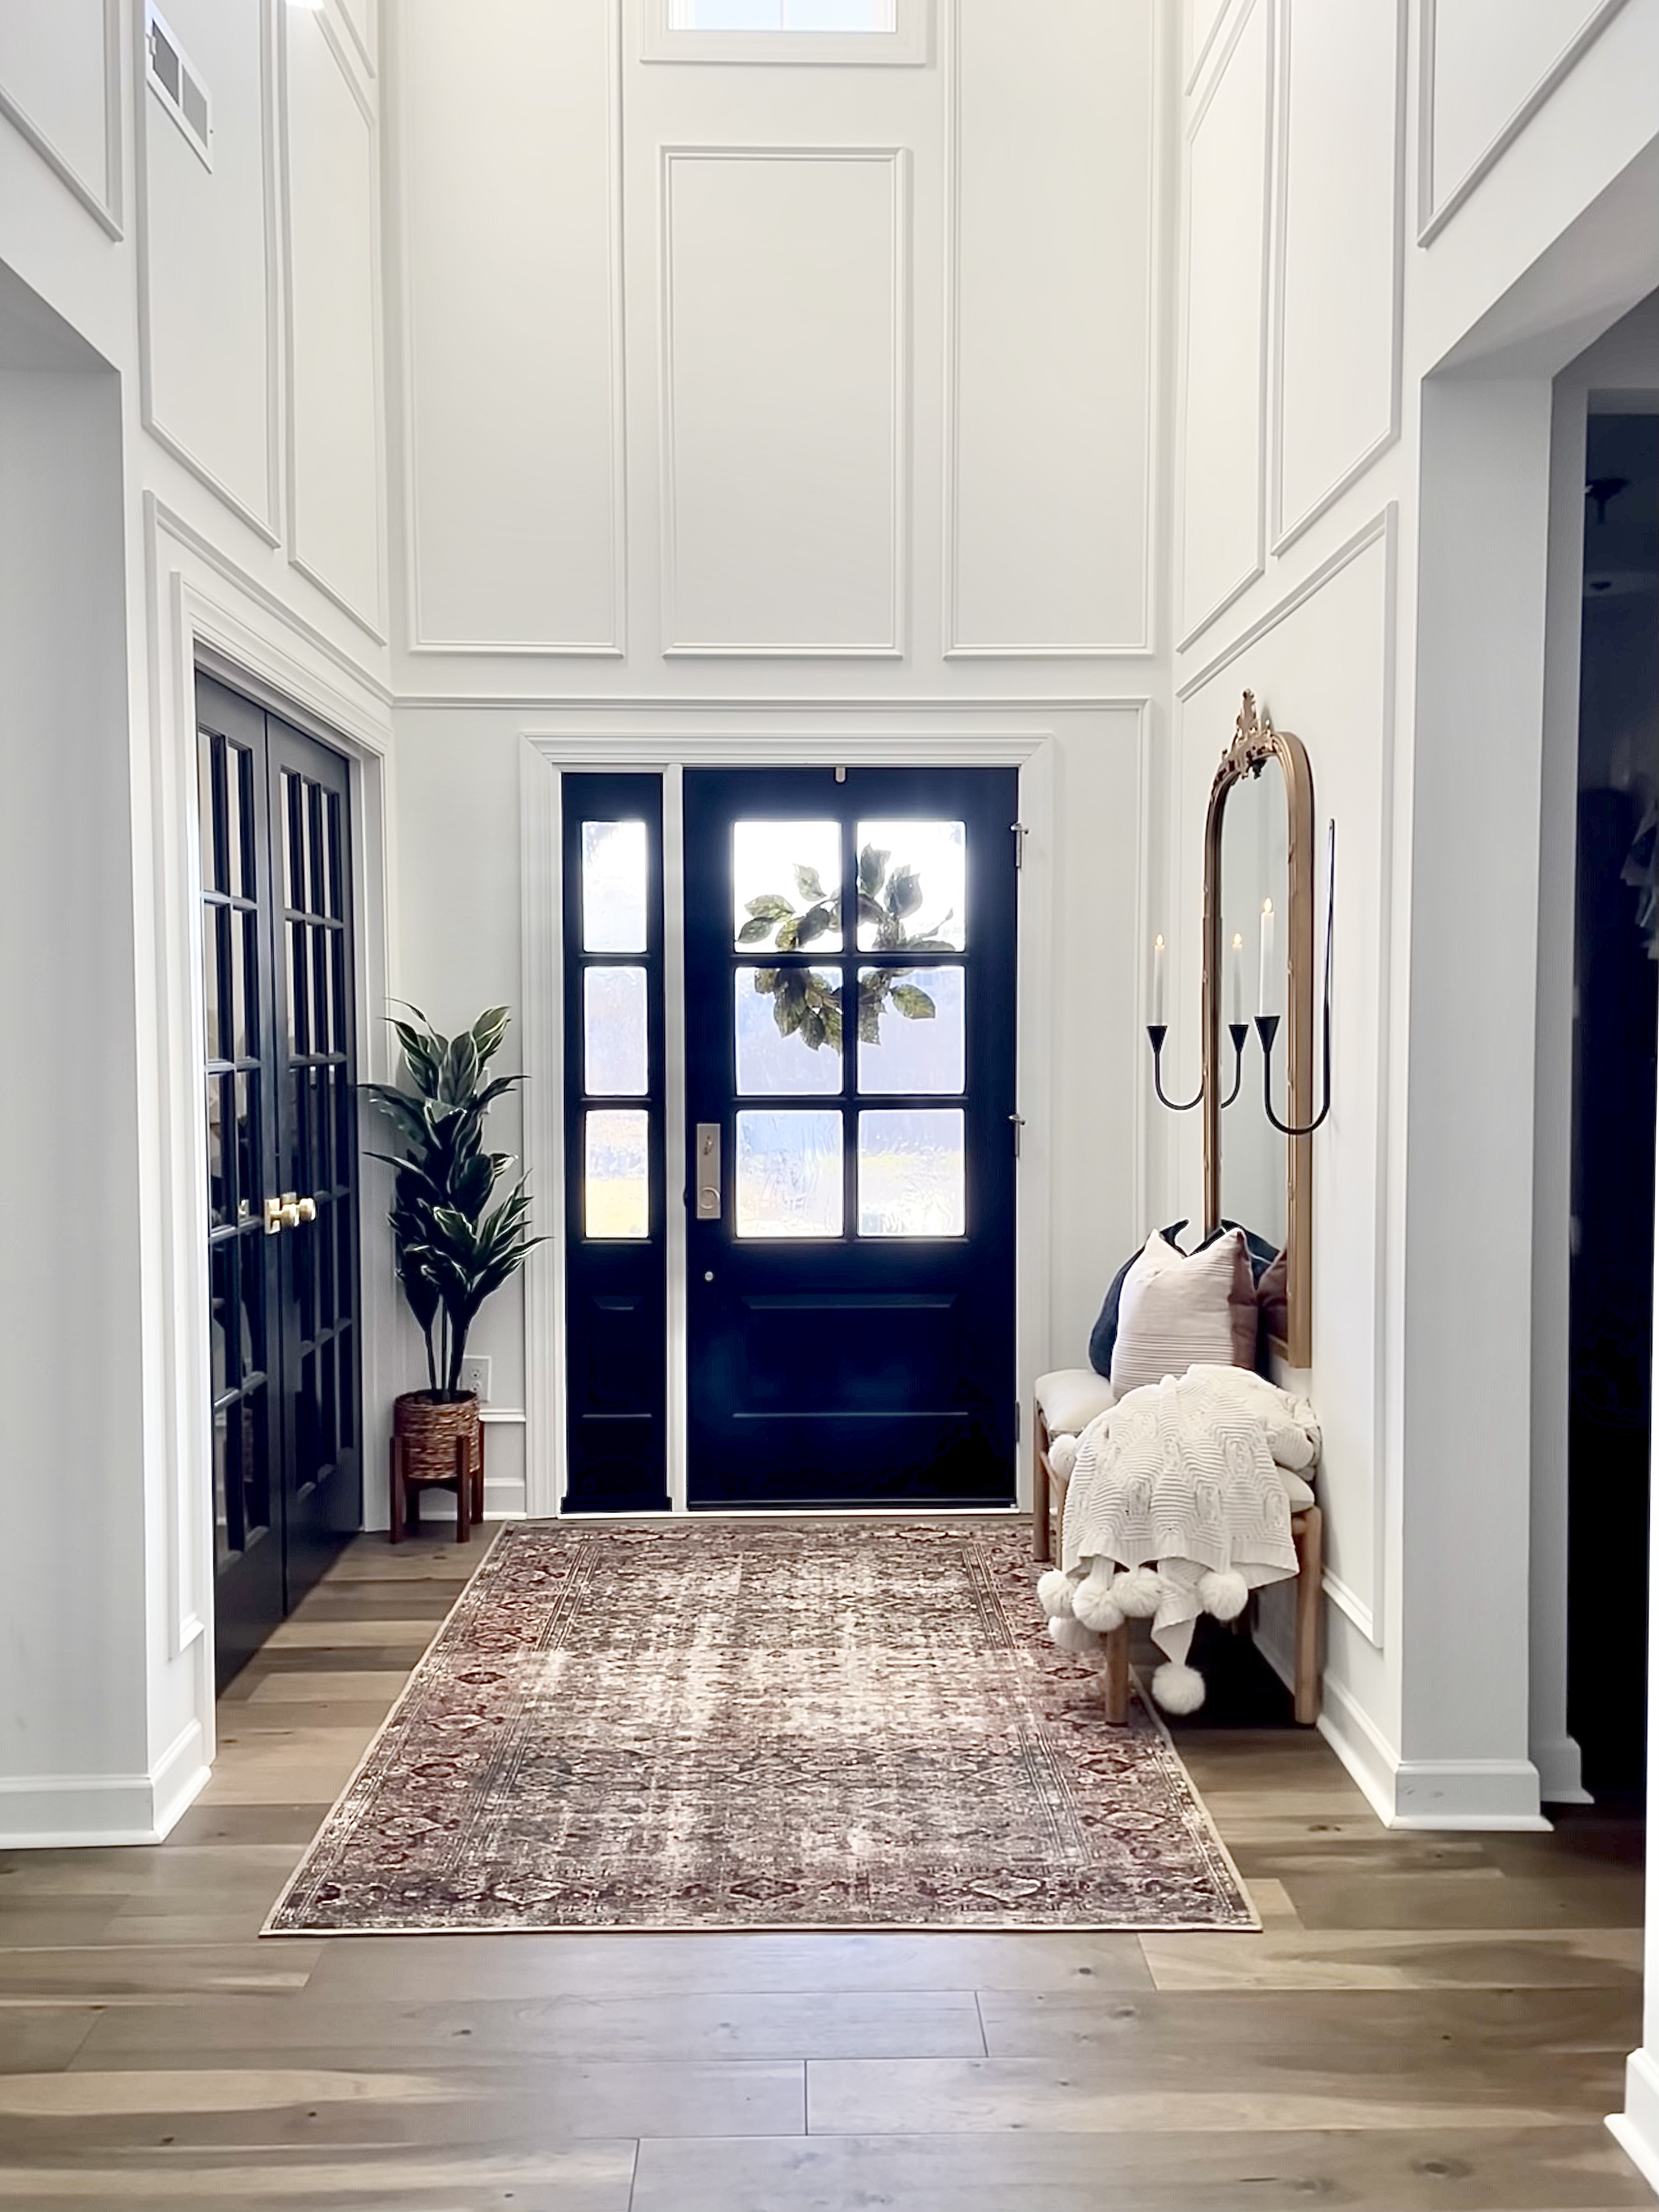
(239, 826)
(613, 886)
(223, 1542)
(912, 1172)
(616, 1181)
(786, 883)
(787, 1024)
(912, 886)
(912, 1033)
(614, 1055)
(789, 1178)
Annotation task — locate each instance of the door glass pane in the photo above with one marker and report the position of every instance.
(212, 876)
(249, 1163)
(215, 923)
(220, 1184)
(789, 1174)
(616, 1181)
(321, 1037)
(238, 1043)
(912, 1173)
(613, 1033)
(292, 833)
(786, 879)
(331, 855)
(912, 886)
(223, 1543)
(787, 1024)
(252, 1311)
(613, 886)
(222, 1343)
(297, 1029)
(912, 1036)
(256, 1468)
(238, 802)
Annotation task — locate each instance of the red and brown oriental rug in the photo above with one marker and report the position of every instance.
(702, 1725)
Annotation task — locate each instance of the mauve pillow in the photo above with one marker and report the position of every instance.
(1179, 1311)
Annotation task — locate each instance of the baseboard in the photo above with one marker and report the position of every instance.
(1636, 2130)
(66, 1812)
(1491, 1795)
(1560, 1773)
(1354, 1736)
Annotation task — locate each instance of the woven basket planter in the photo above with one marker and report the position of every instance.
(428, 1428)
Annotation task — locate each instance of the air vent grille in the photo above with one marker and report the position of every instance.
(174, 80)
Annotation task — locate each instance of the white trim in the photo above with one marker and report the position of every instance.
(893, 647)
(776, 705)
(1282, 534)
(364, 42)
(1193, 629)
(104, 206)
(908, 45)
(67, 1812)
(1431, 216)
(193, 619)
(1488, 1795)
(1560, 1772)
(374, 624)
(1206, 43)
(419, 641)
(1353, 1736)
(1030, 751)
(1636, 2130)
(541, 905)
(953, 645)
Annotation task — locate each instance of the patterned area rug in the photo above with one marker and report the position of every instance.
(688, 1725)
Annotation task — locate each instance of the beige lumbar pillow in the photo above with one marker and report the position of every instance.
(1179, 1310)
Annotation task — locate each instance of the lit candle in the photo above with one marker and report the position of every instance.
(1158, 1001)
(1269, 999)
(1235, 980)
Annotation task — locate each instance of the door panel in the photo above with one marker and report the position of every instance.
(281, 1125)
(850, 962)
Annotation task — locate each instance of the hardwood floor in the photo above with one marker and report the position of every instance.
(1428, 2024)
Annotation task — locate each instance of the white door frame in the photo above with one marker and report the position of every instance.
(545, 756)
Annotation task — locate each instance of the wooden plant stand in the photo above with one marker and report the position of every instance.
(465, 1478)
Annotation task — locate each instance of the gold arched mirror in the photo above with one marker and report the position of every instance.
(1259, 960)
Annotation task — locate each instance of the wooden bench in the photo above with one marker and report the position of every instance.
(1307, 1533)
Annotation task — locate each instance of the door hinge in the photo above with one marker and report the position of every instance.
(1017, 1122)
(1020, 835)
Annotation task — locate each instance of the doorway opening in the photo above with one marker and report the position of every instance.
(790, 1194)
(1616, 1026)
(280, 1104)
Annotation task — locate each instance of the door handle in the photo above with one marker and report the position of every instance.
(289, 1210)
(306, 1209)
(708, 1206)
(273, 1217)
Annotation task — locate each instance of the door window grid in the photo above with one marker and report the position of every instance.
(321, 1121)
(902, 1169)
(230, 963)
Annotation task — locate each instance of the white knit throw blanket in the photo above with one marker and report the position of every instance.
(1183, 1476)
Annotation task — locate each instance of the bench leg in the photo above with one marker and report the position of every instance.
(1309, 1592)
(1043, 1542)
(1116, 1676)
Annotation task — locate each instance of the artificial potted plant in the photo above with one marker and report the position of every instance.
(452, 1248)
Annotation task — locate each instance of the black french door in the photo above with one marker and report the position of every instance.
(282, 1145)
(850, 1112)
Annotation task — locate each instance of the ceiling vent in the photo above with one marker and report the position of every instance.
(175, 83)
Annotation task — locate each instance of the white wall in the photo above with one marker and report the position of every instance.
(732, 399)
(191, 354)
(1451, 185)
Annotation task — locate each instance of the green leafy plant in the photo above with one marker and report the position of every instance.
(807, 1005)
(452, 1248)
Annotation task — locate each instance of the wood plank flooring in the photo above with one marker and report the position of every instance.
(1427, 2024)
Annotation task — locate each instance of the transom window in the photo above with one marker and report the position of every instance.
(869, 16)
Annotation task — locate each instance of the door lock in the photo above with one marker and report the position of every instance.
(708, 1172)
(273, 1217)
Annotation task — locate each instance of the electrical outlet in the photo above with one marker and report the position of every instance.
(475, 1376)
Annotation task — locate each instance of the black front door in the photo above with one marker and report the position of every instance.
(850, 1112)
(281, 1065)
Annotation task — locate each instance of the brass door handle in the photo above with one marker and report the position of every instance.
(273, 1217)
(289, 1210)
(306, 1209)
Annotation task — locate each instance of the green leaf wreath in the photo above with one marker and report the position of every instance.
(807, 1005)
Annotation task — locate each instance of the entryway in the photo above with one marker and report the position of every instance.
(835, 1055)
(279, 1042)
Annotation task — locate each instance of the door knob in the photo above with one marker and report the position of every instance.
(306, 1209)
(289, 1210)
